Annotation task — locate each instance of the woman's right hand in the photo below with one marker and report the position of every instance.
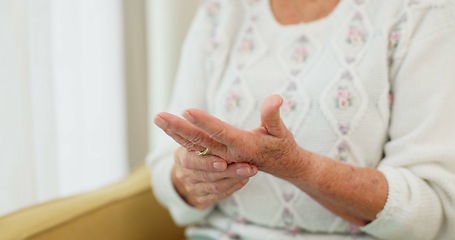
(205, 180)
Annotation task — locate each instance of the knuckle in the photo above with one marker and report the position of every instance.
(206, 176)
(193, 190)
(188, 145)
(218, 133)
(179, 155)
(217, 188)
(185, 162)
(197, 139)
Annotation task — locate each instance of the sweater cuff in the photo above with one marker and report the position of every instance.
(181, 212)
(389, 222)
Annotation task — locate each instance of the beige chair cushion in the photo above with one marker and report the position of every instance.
(125, 210)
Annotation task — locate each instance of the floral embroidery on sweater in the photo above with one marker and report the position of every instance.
(344, 98)
(356, 36)
(289, 105)
(297, 55)
(295, 105)
(212, 8)
(396, 32)
(344, 102)
(249, 46)
(247, 43)
(300, 54)
(290, 101)
(353, 39)
(233, 100)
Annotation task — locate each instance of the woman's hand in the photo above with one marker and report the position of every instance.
(204, 180)
(201, 180)
(354, 193)
(271, 147)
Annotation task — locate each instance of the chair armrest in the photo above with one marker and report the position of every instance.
(125, 210)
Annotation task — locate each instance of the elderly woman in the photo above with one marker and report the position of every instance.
(313, 119)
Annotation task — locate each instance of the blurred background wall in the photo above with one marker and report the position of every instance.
(79, 83)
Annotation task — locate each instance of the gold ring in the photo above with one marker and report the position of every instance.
(203, 152)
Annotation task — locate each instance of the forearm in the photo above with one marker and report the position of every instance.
(353, 193)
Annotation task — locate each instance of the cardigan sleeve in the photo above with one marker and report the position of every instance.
(419, 162)
(189, 91)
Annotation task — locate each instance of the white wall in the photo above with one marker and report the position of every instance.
(135, 47)
(167, 22)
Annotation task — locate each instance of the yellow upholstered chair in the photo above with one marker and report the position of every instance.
(126, 210)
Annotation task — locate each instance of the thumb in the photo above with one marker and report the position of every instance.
(270, 116)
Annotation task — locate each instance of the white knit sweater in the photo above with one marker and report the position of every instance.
(372, 84)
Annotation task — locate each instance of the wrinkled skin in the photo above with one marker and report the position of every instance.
(237, 153)
(356, 194)
(271, 147)
(204, 180)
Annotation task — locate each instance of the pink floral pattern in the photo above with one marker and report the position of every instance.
(233, 101)
(247, 43)
(344, 98)
(396, 34)
(390, 98)
(394, 39)
(300, 55)
(246, 46)
(356, 36)
(212, 8)
(352, 40)
(289, 105)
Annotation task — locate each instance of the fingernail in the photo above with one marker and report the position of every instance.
(160, 122)
(220, 166)
(187, 115)
(243, 171)
(254, 169)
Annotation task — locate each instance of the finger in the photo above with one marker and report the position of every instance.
(208, 163)
(214, 127)
(224, 185)
(234, 171)
(213, 198)
(183, 141)
(186, 133)
(206, 194)
(270, 116)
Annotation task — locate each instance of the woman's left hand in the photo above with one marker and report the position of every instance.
(271, 146)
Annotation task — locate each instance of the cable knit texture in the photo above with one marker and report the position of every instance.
(371, 85)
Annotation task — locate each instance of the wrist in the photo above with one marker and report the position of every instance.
(301, 166)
